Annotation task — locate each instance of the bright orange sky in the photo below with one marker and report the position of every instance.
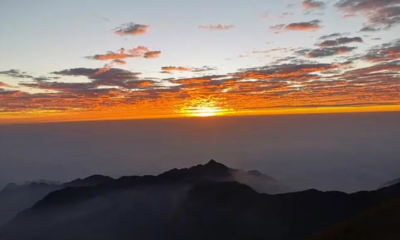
(286, 57)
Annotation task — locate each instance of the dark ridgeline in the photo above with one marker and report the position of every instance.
(201, 202)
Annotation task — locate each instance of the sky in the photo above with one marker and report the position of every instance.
(99, 60)
(346, 152)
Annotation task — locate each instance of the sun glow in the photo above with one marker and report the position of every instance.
(204, 112)
(203, 107)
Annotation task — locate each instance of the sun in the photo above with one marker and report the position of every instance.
(203, 107)
(204, 112)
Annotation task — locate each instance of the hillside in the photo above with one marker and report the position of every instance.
(380, 223)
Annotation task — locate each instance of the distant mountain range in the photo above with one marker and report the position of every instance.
(209, 201)
(15, 198)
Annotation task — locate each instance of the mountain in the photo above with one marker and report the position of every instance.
(380, 223)
(191, 203)
(15, 198)
(25, 196)
(390, 183)
(89, 181)
(218, 172)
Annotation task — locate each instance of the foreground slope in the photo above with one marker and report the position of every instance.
(380, 223)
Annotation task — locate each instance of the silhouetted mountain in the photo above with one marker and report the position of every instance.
(89, 181)
(218, 172)
(193, 203)
(390, 183)
(380, 223)
(16, 198)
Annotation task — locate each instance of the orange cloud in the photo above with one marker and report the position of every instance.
(180, 69)
(117, 57)
(304, 26)
(132, 29)
(152, 54)
(3, 84)
(122, 53)
(216, 27)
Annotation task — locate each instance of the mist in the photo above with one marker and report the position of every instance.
(347, 152)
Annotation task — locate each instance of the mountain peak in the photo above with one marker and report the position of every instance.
(214, 164)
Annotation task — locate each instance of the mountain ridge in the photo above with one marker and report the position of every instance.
(188, 203)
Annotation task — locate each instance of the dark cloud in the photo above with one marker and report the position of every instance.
(132, 29)
(385, 52)
(114, 73)
(333, 35)
(340, 41)
(369, 29)
(14, 73)
(114, 77)
(326, 52)
(380, 14)
(285, 71)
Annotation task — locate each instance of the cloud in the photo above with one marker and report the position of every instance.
(300, 26)
(333, 35)
(168, 69)
(285, 71)
(152, 54)
(380, 14)
(326, 52)
(136, 52)
(180, 69)
(385, 52)
(277, 27)
(132, 29)
(294, 82)
(340, 41)
(14, 73)
(116, 74)
(313, 4)
(304, 26)
(216, 27)
(116, 57)
(3, 84)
